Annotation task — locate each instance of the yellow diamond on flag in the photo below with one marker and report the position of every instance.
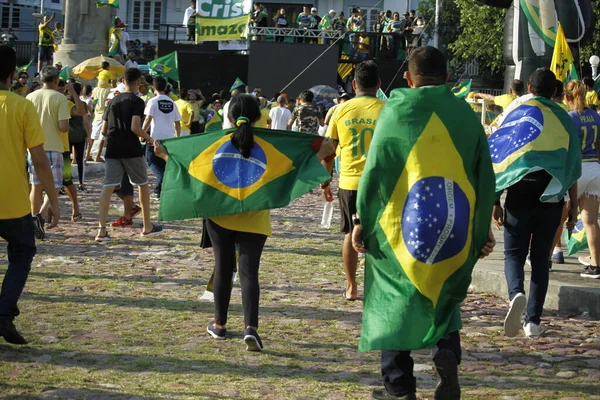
(222, 166)
(428, 219)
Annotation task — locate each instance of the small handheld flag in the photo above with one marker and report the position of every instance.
(166, 66)
(237, 84)
(105, 3)
(461, 90)
(577, 239)
(25, 67)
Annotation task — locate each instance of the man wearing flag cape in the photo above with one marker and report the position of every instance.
(424, 209)
(536, 154)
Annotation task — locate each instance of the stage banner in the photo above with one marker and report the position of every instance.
(222, 20)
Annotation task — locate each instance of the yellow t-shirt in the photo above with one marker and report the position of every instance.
(52, 107)
(263, 122)
(353, 125)
(20, 130)
(504, 100)
(104, 78)
(591, 98)
(45, 34)
(185, 110)
(196, 108)
(251, 222)
(99, 95)
(64, 136)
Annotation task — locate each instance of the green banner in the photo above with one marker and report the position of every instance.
(222, 20)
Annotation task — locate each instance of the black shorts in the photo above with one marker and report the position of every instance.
(46, 53)
(348, 208)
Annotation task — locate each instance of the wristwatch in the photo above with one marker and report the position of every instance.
(355, 219)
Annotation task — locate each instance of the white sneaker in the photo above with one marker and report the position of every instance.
(532, 330)
(512, 322)
(207, 296)
(587, 261)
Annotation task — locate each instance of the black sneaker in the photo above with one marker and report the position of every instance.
(382, 394)
(81, 189)
(591, 272)
(62, 191)
(253, 342)
(446, 365)
(38, 225)
(10, 333)
(217, 333)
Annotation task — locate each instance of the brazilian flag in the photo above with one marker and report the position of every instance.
(537, 135)
(207, 176)
(214, 122)
(114, 41)
(166, 66)
(461, 90)
(238, 83)
(104, 3)
(578, 240)
(425, 202)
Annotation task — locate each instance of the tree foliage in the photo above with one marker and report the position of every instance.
(592, 45)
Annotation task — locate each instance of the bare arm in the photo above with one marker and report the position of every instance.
(44, 173)
(291, 123)
(177, 128)
(63, 125)
(44, 25)
(487, 97)
(87, 126)
(136, 127)
(147, 123)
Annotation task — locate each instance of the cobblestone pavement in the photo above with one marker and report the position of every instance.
(123, 321)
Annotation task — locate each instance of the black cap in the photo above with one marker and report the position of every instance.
(543, 82)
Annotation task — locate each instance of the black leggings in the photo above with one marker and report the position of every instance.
(79, 150)
(250, 250)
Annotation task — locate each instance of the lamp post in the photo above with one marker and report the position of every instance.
(594, 61)
(436, 35)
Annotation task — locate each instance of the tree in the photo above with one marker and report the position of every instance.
(481, 36)
(450, 27)
(592, 46)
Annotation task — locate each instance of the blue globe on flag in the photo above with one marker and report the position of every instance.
(235, 171)
(435, 220)
(521, 127)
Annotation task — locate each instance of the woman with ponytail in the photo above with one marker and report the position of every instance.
(246, 232)
(587, 122)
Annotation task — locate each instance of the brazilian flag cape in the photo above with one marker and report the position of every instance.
(114, 41)
(425, 202)
(207, 176)
(537, 135)
(214, 122)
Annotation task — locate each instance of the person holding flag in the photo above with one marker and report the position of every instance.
(536, 155)
(326, 23)
(424, 205)
(46, 42)
(587, 122)
(305, 21)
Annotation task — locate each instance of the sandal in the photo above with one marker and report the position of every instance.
(77, 217)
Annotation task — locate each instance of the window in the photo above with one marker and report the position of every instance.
(147, 14)
(11, 16)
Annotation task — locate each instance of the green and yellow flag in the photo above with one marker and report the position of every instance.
(344, 69)
(25, 67)
(563, 63)
(541, 15)
(207, 176)
(104, 3)
(425, 202)
(461, 90)
(537, 135)
(165, 66)
(238, 83)
(578, 240)
(214, 122)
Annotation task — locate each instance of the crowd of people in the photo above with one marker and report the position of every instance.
(122, 122)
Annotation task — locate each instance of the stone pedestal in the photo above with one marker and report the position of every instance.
(86, 32)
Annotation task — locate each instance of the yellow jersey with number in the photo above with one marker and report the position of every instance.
(352, 126)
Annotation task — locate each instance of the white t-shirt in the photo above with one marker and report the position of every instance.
(164, 114)
(124, 39)
(280, 118)
(226, 123)
(131, 64)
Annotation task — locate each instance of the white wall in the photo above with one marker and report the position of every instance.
(400, 5)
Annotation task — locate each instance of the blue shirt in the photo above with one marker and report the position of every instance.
(588, 125)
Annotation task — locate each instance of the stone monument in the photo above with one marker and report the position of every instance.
(86, 32)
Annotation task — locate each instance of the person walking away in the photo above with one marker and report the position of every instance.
(280, 116)
(185, 111)
(80, 131)
(21, 132)
(281, 22)
(45, 42)
(100, 96)
(54, 114)
(534, 200)
(307, 116)
(123, 126)
(352, 127)
(424, 204)
(587, 123)
(163, 119)
(189, 21)
(248, 231)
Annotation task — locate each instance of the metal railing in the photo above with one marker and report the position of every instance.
(296, 32)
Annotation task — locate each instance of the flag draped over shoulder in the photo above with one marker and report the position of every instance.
(425, 202)
(104, 3)
(563, 63)
(461, 90)
(207, 176)
(166, 66)
(214, 122)
(537, 135)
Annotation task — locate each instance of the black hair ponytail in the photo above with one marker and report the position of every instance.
(244, 111)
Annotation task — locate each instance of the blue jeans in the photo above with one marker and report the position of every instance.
(157, 166)
(530, 230)
(18, 232)
(397, 367)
